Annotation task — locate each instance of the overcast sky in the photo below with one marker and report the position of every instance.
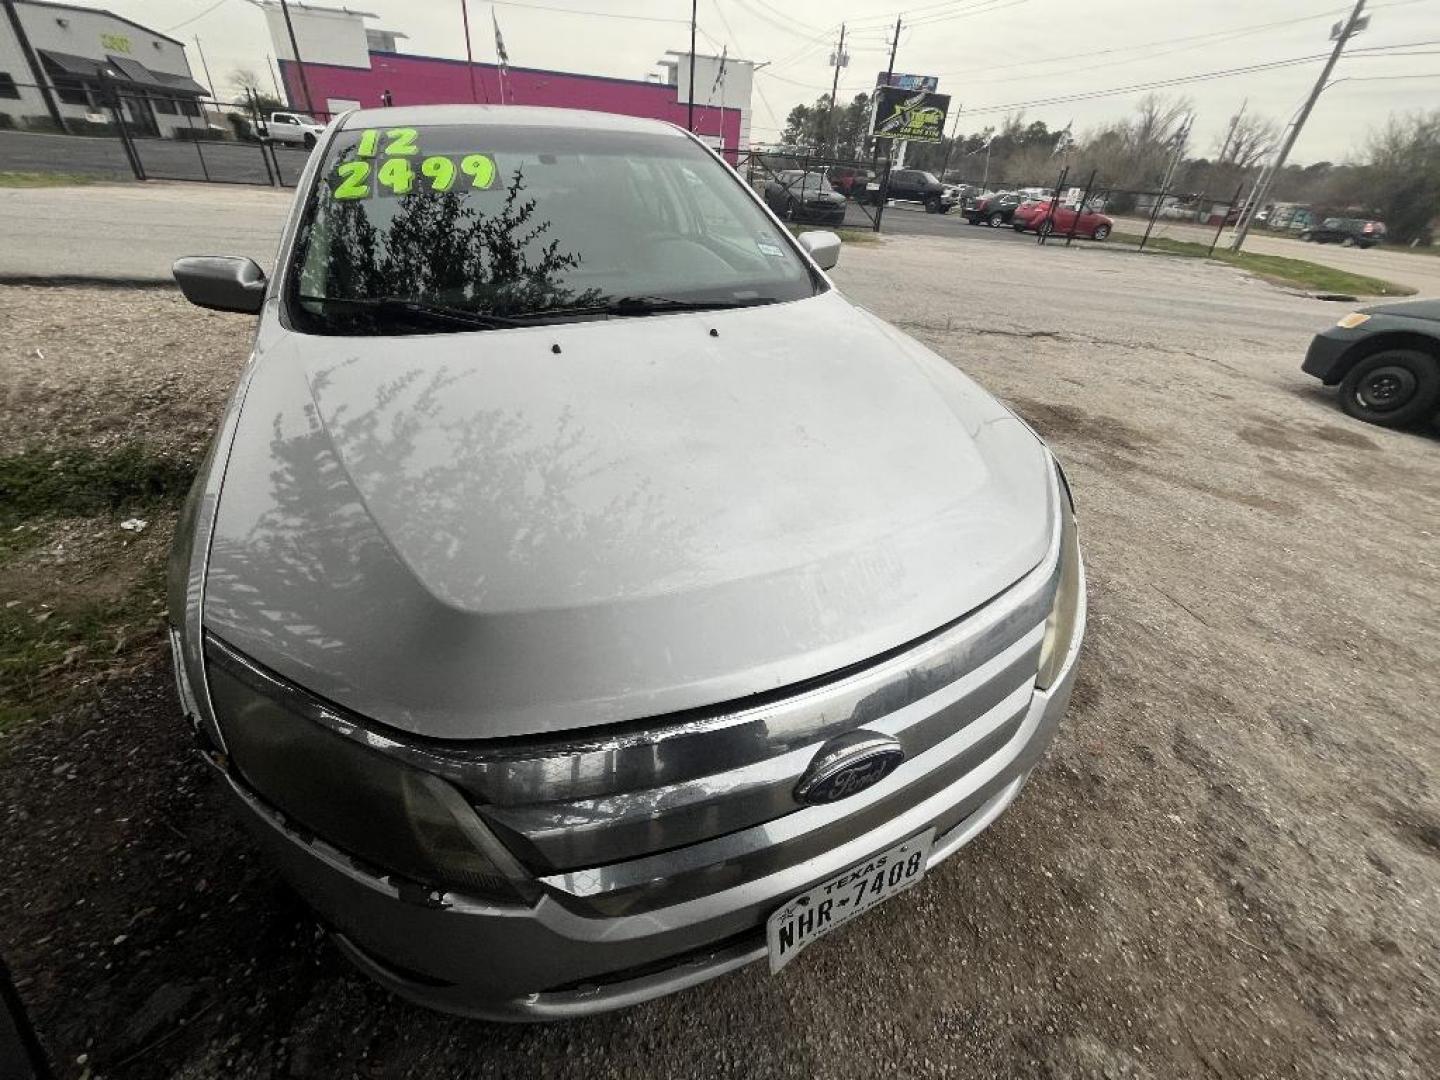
(989, 54)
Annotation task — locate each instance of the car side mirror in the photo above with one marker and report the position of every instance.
(823, 246)
(221, 282)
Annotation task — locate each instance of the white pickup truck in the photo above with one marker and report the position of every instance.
(292, 128)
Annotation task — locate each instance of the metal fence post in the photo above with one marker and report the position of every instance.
(1049, 222)
(1075, 221)
(131, 153)
(1235, 201)
(190, 126)
(881, 194)
(1154, 213)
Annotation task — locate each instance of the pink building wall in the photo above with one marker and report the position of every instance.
(429, 80)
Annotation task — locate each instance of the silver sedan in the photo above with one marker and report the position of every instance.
(582, 598)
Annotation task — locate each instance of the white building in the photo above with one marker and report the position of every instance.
(65, 64)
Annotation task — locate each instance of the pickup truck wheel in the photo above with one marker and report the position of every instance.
(997, 219)
(932, 205)
(309, 141)
(1392, 388)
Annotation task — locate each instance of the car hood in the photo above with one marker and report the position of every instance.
(1409, 309)
(523, 531)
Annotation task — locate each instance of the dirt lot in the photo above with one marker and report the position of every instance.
(1229, 865)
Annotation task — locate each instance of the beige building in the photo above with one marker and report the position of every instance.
(63, 65)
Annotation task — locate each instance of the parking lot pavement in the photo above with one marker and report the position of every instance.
(135, 231)
(1226, 866)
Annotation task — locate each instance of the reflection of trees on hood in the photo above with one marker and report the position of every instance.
(443, 247)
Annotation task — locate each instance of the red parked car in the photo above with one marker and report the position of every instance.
(1037, 217)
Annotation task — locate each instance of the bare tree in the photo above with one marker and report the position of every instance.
(1249, 138)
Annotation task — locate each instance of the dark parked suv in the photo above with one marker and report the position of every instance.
(1352, 232)
(914, 185)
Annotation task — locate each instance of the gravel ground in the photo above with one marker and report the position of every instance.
(1229, 865)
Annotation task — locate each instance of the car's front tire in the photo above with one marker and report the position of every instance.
(997, 219)
(1100, 233)
(932, 205)
(1392, 388)
(309, 141)
(1307, 236)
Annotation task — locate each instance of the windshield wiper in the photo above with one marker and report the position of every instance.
(421, 309)
(651, 305)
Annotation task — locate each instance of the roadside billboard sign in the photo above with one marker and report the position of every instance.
(901, 81)
(908, 116)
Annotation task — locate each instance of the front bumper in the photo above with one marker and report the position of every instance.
(1326, 357)
(511, 962)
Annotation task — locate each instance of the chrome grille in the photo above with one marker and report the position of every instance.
(670, 808)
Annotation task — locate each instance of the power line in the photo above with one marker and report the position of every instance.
(584, 11)
(1207, 36)
(1202, 76)
(774, 116)
(193, 18)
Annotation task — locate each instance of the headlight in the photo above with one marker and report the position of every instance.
(1061, 624)
(383, 812)
(1354, 319)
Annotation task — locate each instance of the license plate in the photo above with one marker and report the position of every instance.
(806, 918)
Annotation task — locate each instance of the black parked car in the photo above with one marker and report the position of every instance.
(802, 196)
(1386, 360)
(1352, 232)
(994, 210)
(915, 185)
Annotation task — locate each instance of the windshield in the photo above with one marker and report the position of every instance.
(509, 223)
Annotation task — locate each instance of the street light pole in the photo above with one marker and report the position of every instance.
(1258, 197)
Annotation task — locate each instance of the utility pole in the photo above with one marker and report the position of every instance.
(690, 108)
(840, 61)
(1257, 198)
(35, 72)
(949, 146)
(469, 55)
(875, 105)
(299, 64)
(206, 65)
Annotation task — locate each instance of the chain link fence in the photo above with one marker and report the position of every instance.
(113, 131)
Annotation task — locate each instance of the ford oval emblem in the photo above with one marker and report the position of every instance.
(848, 765)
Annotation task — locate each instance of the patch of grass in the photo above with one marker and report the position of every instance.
(42, 179)
(79, 481)
(46, 654)
(1276, 268)
(18, 539)
(849, 236)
